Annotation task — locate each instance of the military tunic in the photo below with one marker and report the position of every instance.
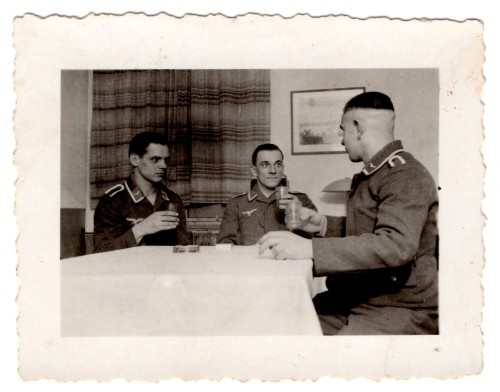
(249, 216)
(123, 206)
(391, 221)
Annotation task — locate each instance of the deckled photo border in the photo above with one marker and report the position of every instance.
(46, 46)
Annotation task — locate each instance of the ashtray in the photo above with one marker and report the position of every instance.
(187, 249)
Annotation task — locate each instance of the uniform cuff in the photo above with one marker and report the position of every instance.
(323, 227)
(129, 239)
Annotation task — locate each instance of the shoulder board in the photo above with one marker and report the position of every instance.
(114, 190)
(296, 192)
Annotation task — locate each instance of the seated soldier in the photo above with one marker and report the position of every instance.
(379, 260)
(250, 215)
(136, 212)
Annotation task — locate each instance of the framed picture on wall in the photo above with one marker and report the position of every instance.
(316, 116)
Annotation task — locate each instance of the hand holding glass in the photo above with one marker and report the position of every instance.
(283, 199)
(157, 221)
(172, 207)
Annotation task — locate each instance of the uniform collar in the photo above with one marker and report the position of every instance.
(255, 193)
(381, 157)
(137, 195)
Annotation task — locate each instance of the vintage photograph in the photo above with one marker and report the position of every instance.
(213, 211)
(153, 161)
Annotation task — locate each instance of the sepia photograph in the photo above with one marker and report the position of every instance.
(135, 142)
(281, 216)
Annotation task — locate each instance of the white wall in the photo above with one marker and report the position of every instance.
(415, 94)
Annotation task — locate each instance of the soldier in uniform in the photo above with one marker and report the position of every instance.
(249, 216)
(136, 212)
(382, 275)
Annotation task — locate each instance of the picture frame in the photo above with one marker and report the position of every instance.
(316, 117)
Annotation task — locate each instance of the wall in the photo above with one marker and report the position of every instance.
(75, 123)
(415, 94)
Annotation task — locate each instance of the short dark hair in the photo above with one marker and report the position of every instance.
(141, 142)
(265, 147)
(369, 100)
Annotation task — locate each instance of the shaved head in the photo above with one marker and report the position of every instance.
(375, 120)
(367, 125)
(370, 100)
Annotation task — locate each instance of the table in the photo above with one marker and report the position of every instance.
(151, 291)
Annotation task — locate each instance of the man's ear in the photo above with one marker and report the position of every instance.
(253, 170)
(360, 128)
(134, 160)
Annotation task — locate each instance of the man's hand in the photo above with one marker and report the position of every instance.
(284, 201)
(286, 245)
(157, 221)
(311, 221)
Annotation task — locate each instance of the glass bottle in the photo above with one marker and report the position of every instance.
(282, 189)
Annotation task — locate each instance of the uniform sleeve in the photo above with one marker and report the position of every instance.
(111, 231)
(405, 198)
(335, 226)
(183, 236)
(306, 202)
(230, 225)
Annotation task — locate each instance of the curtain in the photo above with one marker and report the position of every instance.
(213, 120)
(229, 118)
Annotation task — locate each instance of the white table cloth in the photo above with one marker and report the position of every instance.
(151, 291)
